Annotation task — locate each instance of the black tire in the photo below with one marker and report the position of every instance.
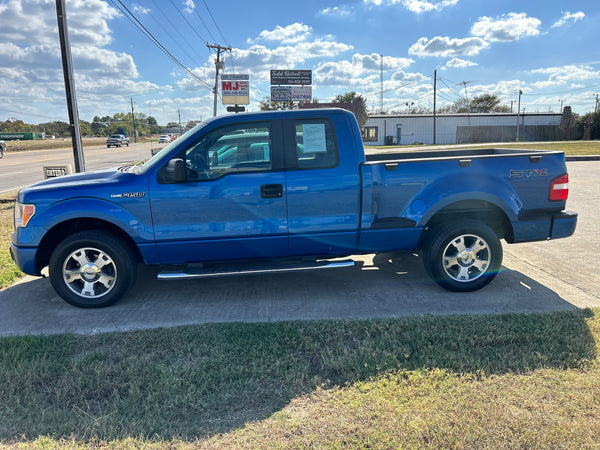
(462, 256)
(92, 269)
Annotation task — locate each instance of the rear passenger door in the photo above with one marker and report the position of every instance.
(323, 187)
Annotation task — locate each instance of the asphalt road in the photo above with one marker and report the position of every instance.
(21, 169)
(540, 276)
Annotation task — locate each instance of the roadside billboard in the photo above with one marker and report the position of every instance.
(235, 89)
(291, 77)
(17, 136)
(291, 93)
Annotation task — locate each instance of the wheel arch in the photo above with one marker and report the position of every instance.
(479, 210)
(62, 230)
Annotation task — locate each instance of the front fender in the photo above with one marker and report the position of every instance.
(132, 216)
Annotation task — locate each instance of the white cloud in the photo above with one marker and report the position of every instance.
(568, 17)
(362, 70)
(448, 47)
(508, 27)
(415, 6)
(342, 11)
(139, 9)
(561, 75)
(459, 63)
(189, 6)
(290, 34)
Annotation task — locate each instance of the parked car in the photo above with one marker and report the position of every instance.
(164, 139)
(281, 191)
(117, 140)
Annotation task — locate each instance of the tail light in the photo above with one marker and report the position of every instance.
(559, 188)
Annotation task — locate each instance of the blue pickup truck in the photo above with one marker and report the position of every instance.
(281, 191)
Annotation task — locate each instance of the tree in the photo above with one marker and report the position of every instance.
(567, 122)
(267, 105)
(360, 106)
(485, 103)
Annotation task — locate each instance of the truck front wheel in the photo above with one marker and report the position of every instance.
(92, 269)
(463, 256)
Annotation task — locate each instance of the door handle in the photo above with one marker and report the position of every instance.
(271, 191)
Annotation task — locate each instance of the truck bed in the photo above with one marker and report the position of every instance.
(420, 155)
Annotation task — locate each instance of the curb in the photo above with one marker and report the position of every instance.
(582, 158)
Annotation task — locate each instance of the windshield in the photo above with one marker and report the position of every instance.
(156, 158)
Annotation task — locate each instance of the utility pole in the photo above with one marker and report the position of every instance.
(65, 50)
(434, 101)
(133, 118)
(518, 112)
(179, 116)
(218, 66)
(381, 88)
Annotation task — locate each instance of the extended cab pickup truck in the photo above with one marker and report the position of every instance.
(280, 191)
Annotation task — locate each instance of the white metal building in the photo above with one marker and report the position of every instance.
(458, 128)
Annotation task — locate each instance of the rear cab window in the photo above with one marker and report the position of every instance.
(316, 144)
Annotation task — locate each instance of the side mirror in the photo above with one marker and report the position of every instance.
(174, 171)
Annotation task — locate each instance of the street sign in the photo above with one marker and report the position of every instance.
(235, 89)
(57, 171)
(291, 77)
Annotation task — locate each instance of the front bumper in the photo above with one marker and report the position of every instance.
(24, 258)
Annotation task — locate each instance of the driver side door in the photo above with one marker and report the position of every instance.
(232, 203)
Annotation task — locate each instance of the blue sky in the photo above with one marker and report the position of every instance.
(547, 49)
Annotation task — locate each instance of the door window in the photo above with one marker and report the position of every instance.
(230, 149)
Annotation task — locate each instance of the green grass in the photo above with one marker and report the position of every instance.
(8, 270)
(506, 381)
(510, 381)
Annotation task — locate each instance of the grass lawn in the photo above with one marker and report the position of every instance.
(8, 271)
(506, 381)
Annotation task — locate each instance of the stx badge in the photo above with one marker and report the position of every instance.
(528, 173)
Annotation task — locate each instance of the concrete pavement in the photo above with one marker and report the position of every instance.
(537, 276)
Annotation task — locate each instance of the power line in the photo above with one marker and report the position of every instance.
(215, 22)
(188, 22)
(33, 115)
(203, 23)
(150, 36)
(174, 27)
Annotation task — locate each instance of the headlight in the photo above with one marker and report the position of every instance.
(23, 214)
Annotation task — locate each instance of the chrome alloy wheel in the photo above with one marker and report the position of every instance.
(466, 258)
(89, 272)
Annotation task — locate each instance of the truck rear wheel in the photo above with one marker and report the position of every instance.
(92, 269)
(463, 256)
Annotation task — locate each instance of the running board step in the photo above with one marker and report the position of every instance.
(252, 269)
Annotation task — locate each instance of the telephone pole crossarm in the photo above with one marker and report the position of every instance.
(218, 66)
